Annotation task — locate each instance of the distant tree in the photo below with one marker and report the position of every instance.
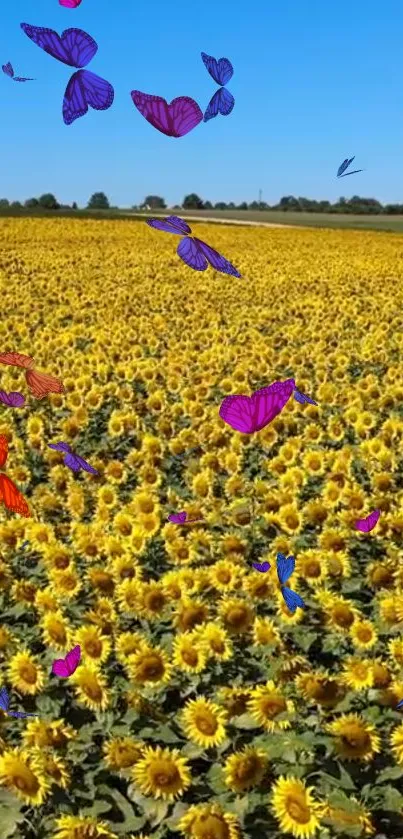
(48, 201)
(254, 205)
(242, 206)
(221, 205)
(4, 202)
(192, 202)
(289, 203)
(74, 206)
(30, 203)
(155, 202)
(98, 201)
(16, 205)
(207, 205)
(177, 207)
(231, 206)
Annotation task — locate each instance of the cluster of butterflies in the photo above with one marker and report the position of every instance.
(61, 667)
(77, 48)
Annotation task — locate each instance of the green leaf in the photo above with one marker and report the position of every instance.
(390, 774)
(393, 800)
(345, 780)
(305, 640)
(245, 722)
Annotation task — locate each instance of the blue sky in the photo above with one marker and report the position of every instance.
(313, 83)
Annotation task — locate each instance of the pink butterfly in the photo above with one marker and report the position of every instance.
(69, 4)
(252, 413)
(65, 667)
(181, 518)
(368, 524)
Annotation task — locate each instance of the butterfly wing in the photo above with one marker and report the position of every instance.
(41, 384)
(400, 704)
(343, 166)
(70, 4)
(285, 567)
(368, 524)
(177, 518)
(292, 599)
(60, 447)
(221, 103)
(8, 69)
(269, 402)
(73, 47)
(4, 699)
(20, 714)
(16, 359)
(170, 224)
(12, 498)
(261, 566)
(216, 260)
(221, 71)
(15, 399)
(354, 172)
(237, 411)
(23, 79)
(302, 397)
(84, 465)
(86, 89)
(71, 460)
(3, 449)
(175, 119)
(188, 250)
(72, 659)
(59, 668)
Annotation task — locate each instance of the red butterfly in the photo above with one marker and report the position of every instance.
(11, 497)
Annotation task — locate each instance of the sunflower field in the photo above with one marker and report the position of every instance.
(202, 708)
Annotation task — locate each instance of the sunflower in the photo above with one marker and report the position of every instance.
(225, 576)
(128, 644)
(43, 734)
(190, 613)
(321, 688)
(358, 673)
(356, 738)
(24, 674)
(23, 775)
(237, 615)
(266, 704)
(149, 665)
(94, 645)
(56, 630)
(396, 742)
(216, 641)
(312, 568)
(23, 592)
(363, 634)
(189, 655)
(358, 817)
(235, 700)
(122, 752)
(395, 648)
(204, 722)
(265, 632)
(152, 600)
(245, 769)
(209, 821)
(91, 687)
(55, 770)
(295, 808)
(82, 827)
(162, 773)
(339, 614)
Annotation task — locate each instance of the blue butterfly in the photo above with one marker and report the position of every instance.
(302, 397)
(399, 705)
(221, 71)
(285, 567)
(4, 703)
(343, 166)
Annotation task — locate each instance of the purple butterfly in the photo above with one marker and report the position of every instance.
(72, 460)
(175, 119)
(193, 251)
(4, 703)
(302, 397)
(75, 48)
(343, 166)
(181, 518)
(221, 71)
(399, 706)
(261, 566)
(8, 70)
(14, 399)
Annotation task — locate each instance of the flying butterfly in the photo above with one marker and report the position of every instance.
(8, 70)
(4, 706)
(285, 567)
(70, 4)
(368, 524)
(302, 397)
(249, 414)
(65, 667)
(40, 384)
(181, 518)
(14, 399)
(71, 459)
(75, 48)
(222, 102)
(11, 497)
(343, 166)
(195, 253)
(174, 119)
(261, 566)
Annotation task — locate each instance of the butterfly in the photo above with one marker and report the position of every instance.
(343, 166)
(75, 48)
(221, 71)
(24, 545)
(11, 497)
(181, 518)
(368, 524)
(8, 70)
(285, 567)
(399, 705)
(175, 119)
(248, 414)
(302, 397)
(65, 667)
(72, 460)
(261, 566)
(40, 384)
(14, 399)
(4, 703)
(70, 4)
(193, 251)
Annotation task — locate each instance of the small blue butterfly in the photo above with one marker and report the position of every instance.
(343, 166)
(285, 567)
(302, 397)
(4, 703)
(399, 705)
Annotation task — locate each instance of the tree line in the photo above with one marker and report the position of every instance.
(99, 201)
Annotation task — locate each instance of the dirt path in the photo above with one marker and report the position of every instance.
(225, 220)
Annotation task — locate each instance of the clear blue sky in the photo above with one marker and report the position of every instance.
(313, 82)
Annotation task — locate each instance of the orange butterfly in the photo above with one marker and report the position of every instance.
(11, 497)
(40, 384)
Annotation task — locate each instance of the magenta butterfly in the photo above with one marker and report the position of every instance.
(193, 251)
(8, 70)
(14, 399)
(368, 524)
(70, 4)
(175, 119)
(4, 705)
(75, 48)
(248, 414)
(65, 667)
(181, 518)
